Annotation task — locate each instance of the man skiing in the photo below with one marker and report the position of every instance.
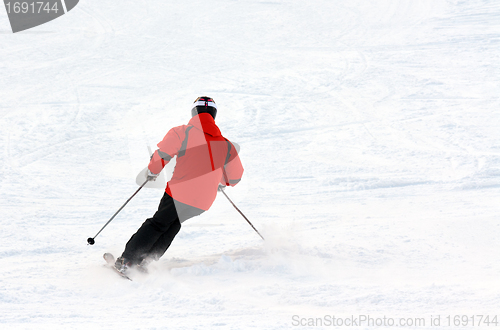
(206, 162)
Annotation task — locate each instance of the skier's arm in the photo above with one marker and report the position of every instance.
(168, 148)
(158, 161)
(233, 170)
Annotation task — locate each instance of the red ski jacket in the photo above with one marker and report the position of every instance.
(204, 159)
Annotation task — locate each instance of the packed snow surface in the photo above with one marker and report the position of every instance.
(369, 133)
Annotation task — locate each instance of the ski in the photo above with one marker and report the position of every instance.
(110, 262)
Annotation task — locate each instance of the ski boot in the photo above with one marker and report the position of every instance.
(123, 265)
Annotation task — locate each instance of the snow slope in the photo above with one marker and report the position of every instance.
(369, 135)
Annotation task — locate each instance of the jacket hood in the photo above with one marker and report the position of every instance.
(206, 123)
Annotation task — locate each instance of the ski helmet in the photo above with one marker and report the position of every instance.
(204, 104)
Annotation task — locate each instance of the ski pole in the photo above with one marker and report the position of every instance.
(91, 240)
(237, 209)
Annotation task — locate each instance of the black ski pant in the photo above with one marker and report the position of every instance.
(156, 234)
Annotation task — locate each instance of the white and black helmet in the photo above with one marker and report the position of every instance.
(204, 104)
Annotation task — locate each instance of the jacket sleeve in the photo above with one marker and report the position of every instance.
(233, 170)
(168, 148)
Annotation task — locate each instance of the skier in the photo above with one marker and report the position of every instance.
(206, 162)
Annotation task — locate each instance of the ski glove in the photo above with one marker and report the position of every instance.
(221, 187)
(151, 176)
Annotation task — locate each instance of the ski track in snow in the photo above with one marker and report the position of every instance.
(370, 141)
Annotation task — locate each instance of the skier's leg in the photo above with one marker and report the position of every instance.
(151, 230)
(161, 245)
(163, 242)
(141, 242)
